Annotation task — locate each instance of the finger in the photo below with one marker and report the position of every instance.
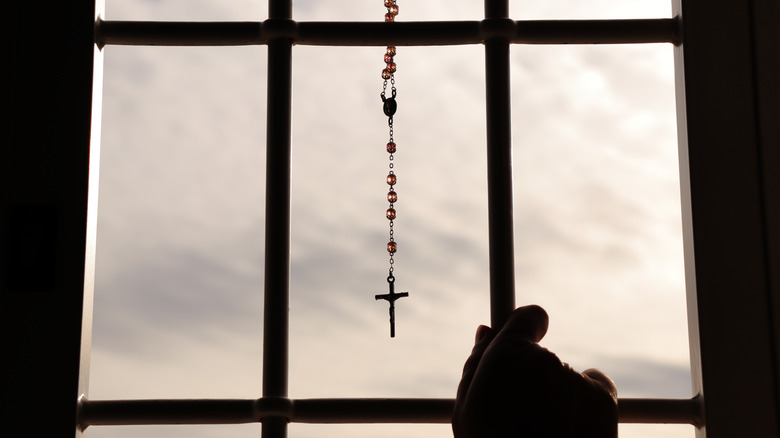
(528, 323)
(483, 338)
(602, 380)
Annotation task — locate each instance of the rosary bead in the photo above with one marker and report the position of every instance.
(389, 17)
(391, 179)
(391, 147)
(393, 9)
(391, 247)
(390, 213)
(389, 3)
(388, 58)
(386, 74)
(391, 50)
(391, 67)
(392, 196)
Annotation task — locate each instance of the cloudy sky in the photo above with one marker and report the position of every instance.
(178, 300)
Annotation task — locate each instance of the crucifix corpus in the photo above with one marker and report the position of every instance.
(391, 297)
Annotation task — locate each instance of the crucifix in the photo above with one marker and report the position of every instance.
(391, 297)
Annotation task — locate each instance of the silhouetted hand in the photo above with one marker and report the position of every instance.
(513, 388)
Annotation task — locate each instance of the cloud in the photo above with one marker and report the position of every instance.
(648, 378)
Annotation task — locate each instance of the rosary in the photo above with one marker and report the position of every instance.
(389, 106)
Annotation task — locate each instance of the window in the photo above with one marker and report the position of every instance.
(460, 218)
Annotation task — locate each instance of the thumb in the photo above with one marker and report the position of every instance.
(529, 323)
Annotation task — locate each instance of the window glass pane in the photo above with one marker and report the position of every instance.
(298, 430)
(656, 430)
(178, 297)
(176, 431)
(589, 9)
(597, 211)
(340, 344)
(374, 10)
(186, 10)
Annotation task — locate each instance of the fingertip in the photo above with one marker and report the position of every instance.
(603, 380)
(482, 332)
(529, 321)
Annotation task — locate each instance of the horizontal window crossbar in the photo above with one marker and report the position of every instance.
(372, 410)
(430, 33)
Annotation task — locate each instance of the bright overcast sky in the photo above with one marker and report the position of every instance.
(178, 300)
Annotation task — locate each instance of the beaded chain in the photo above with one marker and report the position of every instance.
(389, 106)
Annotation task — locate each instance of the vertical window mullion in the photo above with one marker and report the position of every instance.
(277, 219)
(499, 161)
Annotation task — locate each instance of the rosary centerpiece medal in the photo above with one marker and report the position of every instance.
(389, 107)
